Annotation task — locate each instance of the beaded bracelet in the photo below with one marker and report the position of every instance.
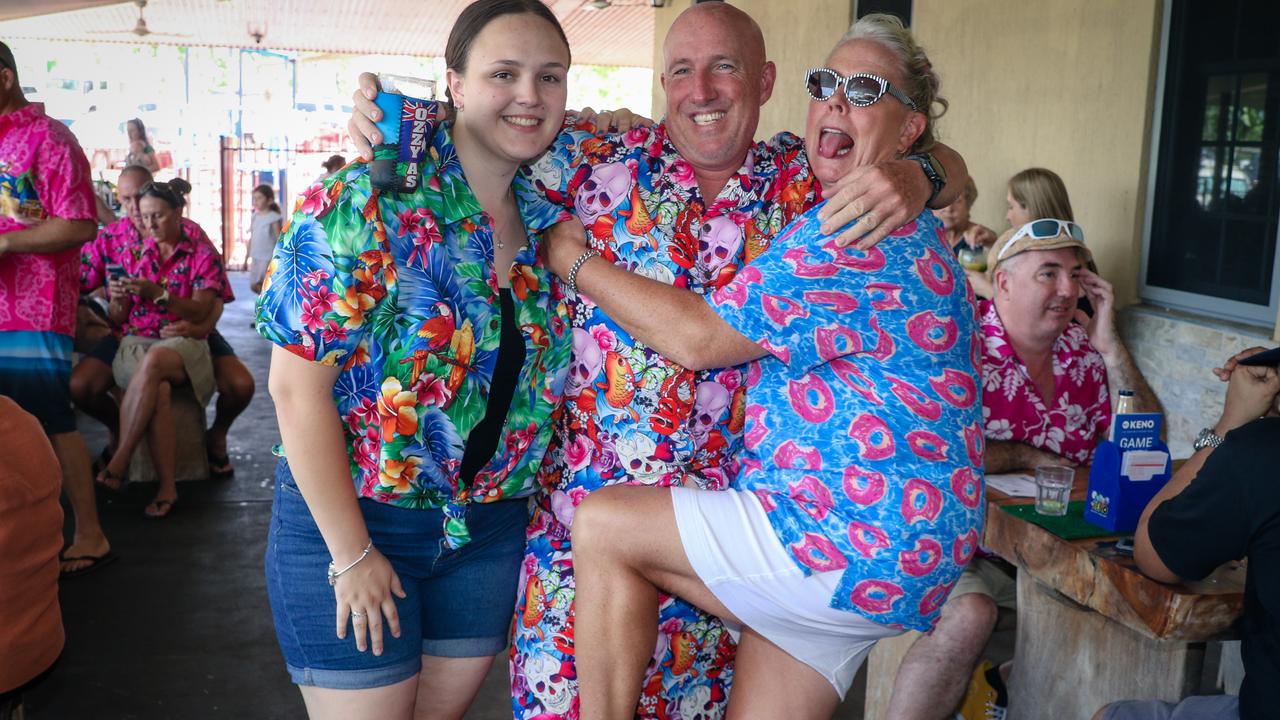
(335, 574)
(572, 278)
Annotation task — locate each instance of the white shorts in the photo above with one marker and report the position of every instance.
(733, 549)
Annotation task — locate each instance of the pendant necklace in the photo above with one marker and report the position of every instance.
(497, 238)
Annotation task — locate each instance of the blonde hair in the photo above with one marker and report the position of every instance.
(970, 193)
(1042, 193)
(919, 81)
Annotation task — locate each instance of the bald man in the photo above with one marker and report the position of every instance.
(688, 201)
(641, 417)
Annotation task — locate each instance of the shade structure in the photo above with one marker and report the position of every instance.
(620, 34)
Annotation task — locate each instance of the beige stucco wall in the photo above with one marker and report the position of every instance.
(1066, 85)
(797, 36)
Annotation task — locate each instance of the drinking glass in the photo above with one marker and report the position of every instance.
(1053, 489)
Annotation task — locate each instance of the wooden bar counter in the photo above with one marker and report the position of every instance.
(1092, 629)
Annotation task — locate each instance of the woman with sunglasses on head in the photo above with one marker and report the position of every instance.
(92, 381)
(824, 546)
(170, 277)
(419, 356)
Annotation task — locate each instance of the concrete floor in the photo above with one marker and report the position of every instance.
(179, 626)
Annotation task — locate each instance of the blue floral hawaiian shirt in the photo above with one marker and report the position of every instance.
(400, 291)
(864, 423)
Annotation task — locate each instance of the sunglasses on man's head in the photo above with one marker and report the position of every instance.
(861, 89)
(1043, 229)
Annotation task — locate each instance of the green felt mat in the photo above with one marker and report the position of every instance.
(1071, 526)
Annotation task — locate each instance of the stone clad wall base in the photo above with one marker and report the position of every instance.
(1177, 352)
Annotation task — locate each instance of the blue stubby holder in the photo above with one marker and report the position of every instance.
(1127, 472)
(407, 127)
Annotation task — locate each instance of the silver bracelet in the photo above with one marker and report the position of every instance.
(572, 278)
(335, 574)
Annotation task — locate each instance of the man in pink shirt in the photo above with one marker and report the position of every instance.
(1049, 378)
(47, 212)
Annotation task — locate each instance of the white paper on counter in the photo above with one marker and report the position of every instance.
(1013, 484)
(1142, 465)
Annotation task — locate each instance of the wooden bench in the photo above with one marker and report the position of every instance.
(1092, 629)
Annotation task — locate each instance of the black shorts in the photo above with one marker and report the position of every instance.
(218, 346)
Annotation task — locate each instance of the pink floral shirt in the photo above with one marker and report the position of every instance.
(43, 173)
(1012, 409)
(194, 265)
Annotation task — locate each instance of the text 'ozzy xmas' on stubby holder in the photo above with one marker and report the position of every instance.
(1128, 470)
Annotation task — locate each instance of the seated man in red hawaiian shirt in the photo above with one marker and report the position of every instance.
(1048, 384)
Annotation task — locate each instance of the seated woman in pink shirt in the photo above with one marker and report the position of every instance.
(172, 278)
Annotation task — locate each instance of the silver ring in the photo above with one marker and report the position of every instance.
(356, 614)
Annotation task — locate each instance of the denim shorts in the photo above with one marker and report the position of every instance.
(459, 603)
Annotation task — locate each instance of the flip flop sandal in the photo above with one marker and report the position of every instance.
(95, 562)
(109, 480)
(162, 508)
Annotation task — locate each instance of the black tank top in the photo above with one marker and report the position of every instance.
(486, 435)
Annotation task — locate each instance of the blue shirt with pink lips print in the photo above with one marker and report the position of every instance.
(863, 435)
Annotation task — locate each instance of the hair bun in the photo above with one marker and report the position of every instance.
(181, 186)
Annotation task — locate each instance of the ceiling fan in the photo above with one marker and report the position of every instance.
(606, 4)
(140, 28)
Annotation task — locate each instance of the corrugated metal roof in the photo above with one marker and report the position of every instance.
(618, 35)
(11, 9)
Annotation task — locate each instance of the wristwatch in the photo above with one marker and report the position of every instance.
(1207, 439)
(163, 300)
(933, 170)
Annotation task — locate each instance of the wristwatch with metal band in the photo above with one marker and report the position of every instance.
(1207, 439)
(933, 170)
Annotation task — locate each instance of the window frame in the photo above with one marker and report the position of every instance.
(1234, 310)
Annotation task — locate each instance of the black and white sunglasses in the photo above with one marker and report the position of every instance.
(861, 89)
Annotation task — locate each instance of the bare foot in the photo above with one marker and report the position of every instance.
(109, 480)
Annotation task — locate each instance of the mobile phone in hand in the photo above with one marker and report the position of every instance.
(115, 272)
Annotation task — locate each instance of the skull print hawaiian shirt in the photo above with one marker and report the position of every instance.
(631, 415)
